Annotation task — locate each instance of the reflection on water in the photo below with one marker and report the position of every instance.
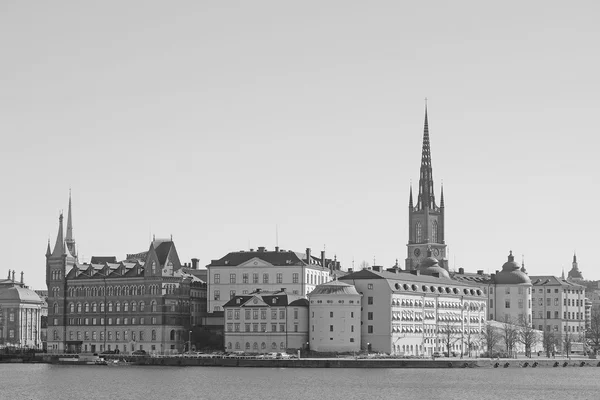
(43, 381)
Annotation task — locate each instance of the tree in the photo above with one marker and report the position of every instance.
(549, 342)
(490, 337)
(593, 332)
(567, 341)
(470, 341)
(364, 265)
(450, 333)
(527, 336)
(510, 335)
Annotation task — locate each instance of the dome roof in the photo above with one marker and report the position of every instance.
(430, 266)
(575, 273)
(19, 294)
(511, 273)
(335, 287)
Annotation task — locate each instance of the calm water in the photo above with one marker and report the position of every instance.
(47, 382)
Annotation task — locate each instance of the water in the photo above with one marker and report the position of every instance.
(48, 382)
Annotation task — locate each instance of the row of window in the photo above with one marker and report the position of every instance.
(566, 328)
(256, 327)
(566, 315)
(116, 307)
(254, 313)
(93, 335)
(101, 291)
(520, 290)
(566, 302)
(507, 303)
(255, 278)
(109, 321)
(419, 232)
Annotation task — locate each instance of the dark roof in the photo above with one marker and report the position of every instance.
(404, 276)
(272, 257)
(103, 259)
(271, 299)
(472, 278)
(540, 280)
(162, 251)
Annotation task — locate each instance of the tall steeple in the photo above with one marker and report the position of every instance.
(69, 238)
(426, 218)
(59, 246)
(426, 196)
(410, 200)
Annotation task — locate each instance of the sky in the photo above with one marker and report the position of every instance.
(235, 124)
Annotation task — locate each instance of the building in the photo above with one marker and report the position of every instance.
(418, 312)
(335, 318)
(558, 307)
(263, 322)
(141, 303)
(426, 218)
(575, 274)
(243, 272)
(20, 314)
(508, 292)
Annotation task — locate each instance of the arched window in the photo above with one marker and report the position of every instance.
(255, 346)
(125, 307)
(87, 307)
(263, 346)
(418, 232)
(118, 321)
(142, 305)
(118, 290)
(118, 307)
(247, 345)
(110, 306)
(273, 346)
(434, 232)
(94, 307)
(55, 308)
(172, 335)
(133, 306)
(101, 307)
(153, 334)
(237, 345)
(78, 307)
(282, 346)
(153, 306)
(126, 291)
(229, 345)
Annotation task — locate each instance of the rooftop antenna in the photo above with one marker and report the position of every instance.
(276, 236)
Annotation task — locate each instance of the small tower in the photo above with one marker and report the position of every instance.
(69, 240)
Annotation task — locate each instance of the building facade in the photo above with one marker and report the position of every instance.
(413, 313)
(558, 307)
(243, 272)
(335, 318)
(426, 218)
(263, 322)
(142, 303)
(20, 314)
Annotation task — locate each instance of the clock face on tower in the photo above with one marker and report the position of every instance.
(417, 252)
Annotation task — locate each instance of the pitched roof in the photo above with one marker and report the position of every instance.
(402, 276)
(539, 280)
(272, 257)
(103, 259)
(162, 249)
(271, 299)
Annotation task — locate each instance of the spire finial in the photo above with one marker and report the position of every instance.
(426, 196)
(442, 195)
(410, 198)
(69, 238)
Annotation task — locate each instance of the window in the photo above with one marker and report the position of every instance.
(491, 303)
(491, 290)
(255, 277)
(279, 277)
(434, 232)
(217, 295)
(330, 314)
(254, 314)
(330, 328)
(231, 294)
(265, 278)
(295, 313)
(547, 290)
(370, 316)
(236, 314)
(520, 303)
(556, 314)
(555, 290)
(507, 304)
(281, 327)
(295, 277)
(232, 278)
(217, 278)
(142, 305)
(247, 327)
(548, 302)
(263, 314)
(245, 277)
(370, 286)
(507, 290)
(229, 314)
(281, 314)
(351, 314)
(273, 314)
(351, 328)
(369, 300)
(520, 290)
(548, 314)
(541, 302)
(273, 327)
(369, 328)
(247, 314)
(418, 233)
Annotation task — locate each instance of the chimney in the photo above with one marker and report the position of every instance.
(461, 270)
(492, 276)
(479, 272)
(195, 263)
(350, 270)
(261, 249)
(323, 258)
(376, 268)
(276, 249)
(308, 255)
(436, 274)
(415, 272)
(9, 275)
(13, 275)
(283, 289)
(21, 276)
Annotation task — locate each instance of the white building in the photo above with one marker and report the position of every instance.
(242, 272)
(509, 294)
(263, 322)
(418, 313)
(335, 318)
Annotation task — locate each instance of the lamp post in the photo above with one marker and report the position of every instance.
(190, 345)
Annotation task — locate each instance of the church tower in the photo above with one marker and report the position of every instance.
(69, 241)
(426, 218)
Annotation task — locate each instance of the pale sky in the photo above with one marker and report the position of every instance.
(216, 121)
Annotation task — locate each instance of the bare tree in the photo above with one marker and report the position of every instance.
(510, 335)
(549, 342)
(364, 265)
(470, 341)
(450, 333)
(567, 341)
(527, 336)
(490, 337)
(593, 332)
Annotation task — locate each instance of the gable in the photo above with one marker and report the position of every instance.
(254, 301)
(255, 262)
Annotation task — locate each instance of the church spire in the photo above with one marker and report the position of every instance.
(442, 196)
(410, 199)
(48, 252)
(59, 247)
(426, 196)
(69, 238)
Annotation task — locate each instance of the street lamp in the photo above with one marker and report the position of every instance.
(190, 345)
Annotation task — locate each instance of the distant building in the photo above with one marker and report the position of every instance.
(574, 274)
(559, 308)
(142, 303)
(335, 324)
(263, 322)
(243, 272)
(20, 314)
